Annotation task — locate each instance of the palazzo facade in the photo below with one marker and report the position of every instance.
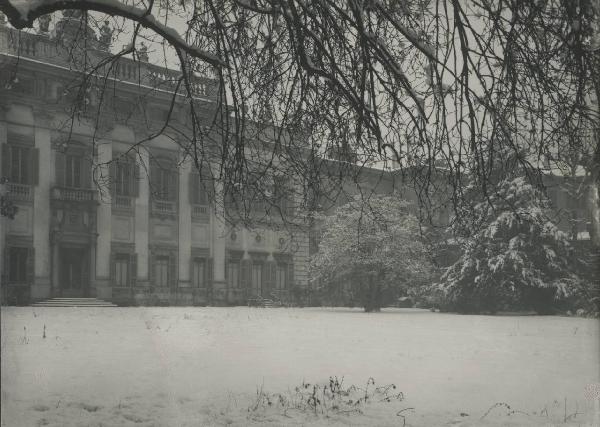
(132, 229)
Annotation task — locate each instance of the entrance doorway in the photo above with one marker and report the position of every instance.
(73, 274)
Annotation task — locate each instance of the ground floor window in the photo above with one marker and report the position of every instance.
(256, 279)
(17, 264)
(161, 271)
(199, 273)
(122, 270)
(281, 276)
(233, 274)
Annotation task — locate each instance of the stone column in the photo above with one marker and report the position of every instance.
(185, 223)
(103, 223)
(142, 219)
(42, 212)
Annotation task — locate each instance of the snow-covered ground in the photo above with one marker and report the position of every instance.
(202, 366)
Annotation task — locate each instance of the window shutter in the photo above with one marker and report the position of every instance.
(269, 280)
(290, 274)
(113, 268)
(133, 269)
(6, 156)
(85, 271)
(86, 172)
(209, 272)
(60, 168)
(151, 271)
(173, 270)
(245, 273)
(173, 186)
(6, 265)
(135, 180)
(34, 166)
(30, 266)
(154, 176)
(193, 188)
(112, 171)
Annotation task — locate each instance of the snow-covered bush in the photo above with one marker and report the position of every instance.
(514, 256)
(370, 253)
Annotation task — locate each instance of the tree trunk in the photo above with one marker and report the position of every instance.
(373, 294)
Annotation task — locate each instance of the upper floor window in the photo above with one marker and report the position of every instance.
(163, 179)
(73, 169)
(198, 193)
(20, 164)
(124, 177)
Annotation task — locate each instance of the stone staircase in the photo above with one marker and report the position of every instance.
(73, 302)
(263, 302)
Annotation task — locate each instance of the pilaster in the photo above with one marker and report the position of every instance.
(141, 217)
(185, 222)
(103, 224)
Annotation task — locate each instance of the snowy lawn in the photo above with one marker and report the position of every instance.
(203, 366)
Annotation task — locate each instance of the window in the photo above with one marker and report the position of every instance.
(233, 274)
(199, 273)
(20, 164)
(73, 171)
(122, 270)
(283, 196)
(161, 271)
(124, 177)
(257, 278)
(163, 180)
(281, 272)
(198, 194)
(17, 265)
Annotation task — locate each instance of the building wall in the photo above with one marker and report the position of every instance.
(108, 230)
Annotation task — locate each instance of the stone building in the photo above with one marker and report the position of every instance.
(133, 228)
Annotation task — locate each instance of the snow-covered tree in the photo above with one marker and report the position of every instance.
(371, 249)
(514, 255)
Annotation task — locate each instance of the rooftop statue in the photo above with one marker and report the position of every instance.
(44, 23)
(143, 53)
(105, 38)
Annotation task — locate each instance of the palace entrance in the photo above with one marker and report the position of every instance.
(73, 274)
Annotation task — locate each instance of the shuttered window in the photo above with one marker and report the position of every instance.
(281, 274)
(124, 269)
(17, 268)
(199, 273)
(233, 274)
(73, 170)
(161, 271)
(124, 177)
(163, 180)
(198, 194)
(20, 164)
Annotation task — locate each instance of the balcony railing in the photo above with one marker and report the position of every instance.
(200, 212)
(74, 194)
(46, 49)
(122, 202)
(164, 207)
(20, 192)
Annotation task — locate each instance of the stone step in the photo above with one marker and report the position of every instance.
(73, 302)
